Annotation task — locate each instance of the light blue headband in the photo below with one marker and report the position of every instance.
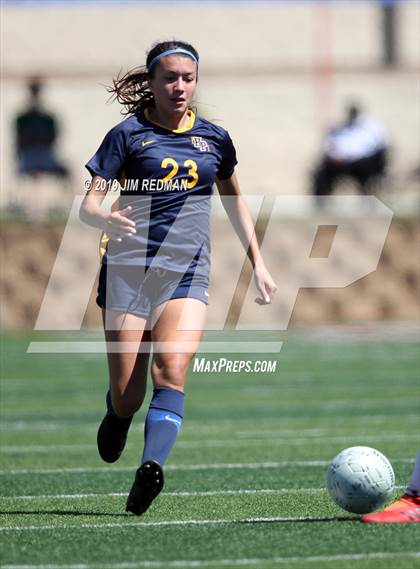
(179, 50)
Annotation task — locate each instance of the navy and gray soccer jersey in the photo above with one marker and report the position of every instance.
(167, 178)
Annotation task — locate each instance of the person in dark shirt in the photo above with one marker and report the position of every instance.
(36, 133)
(153, 283)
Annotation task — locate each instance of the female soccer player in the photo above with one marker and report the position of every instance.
(155, 269)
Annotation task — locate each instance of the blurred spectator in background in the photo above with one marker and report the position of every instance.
(36, 133)
(357, 149)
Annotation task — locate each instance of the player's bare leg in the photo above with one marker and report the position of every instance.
(177, 328)
(127, 363)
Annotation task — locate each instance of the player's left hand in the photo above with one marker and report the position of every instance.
(264, 283)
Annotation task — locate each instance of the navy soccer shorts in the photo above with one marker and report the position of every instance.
(128, 289)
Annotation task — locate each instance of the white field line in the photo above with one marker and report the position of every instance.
(163, 523)
(22, 425)
(178, 494)
(175, 494)
(15, 449)
(215, 443)
(192, 564)
(185, 467)
(191, 427)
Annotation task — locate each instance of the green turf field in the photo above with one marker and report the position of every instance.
(245, 485)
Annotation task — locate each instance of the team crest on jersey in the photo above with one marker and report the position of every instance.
(199, 143)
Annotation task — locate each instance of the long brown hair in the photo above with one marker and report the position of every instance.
(132, 90)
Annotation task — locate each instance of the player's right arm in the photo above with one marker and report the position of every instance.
(116, 224)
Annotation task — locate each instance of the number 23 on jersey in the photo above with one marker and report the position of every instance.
(191, 165)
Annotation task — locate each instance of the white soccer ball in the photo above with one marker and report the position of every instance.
(360, 479)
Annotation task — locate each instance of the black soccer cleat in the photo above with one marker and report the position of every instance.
(148, 483)
(112, 436)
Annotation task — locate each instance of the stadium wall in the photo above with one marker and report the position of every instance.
(389, 293)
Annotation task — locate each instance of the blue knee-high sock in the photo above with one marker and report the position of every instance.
(163, 422)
